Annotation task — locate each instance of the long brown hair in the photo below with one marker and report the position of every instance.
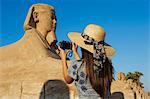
(100, 83)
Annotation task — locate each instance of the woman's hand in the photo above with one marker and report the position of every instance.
(74, 50)
(62, 54)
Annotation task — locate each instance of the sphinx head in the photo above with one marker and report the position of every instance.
(121, 76)
(42, 18)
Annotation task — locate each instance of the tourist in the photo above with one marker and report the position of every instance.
(92, 74)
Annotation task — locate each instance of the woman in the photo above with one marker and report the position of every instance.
(92, 73)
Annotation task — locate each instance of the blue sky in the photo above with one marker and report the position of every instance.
(126, 23)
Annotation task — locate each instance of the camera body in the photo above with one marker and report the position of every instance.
(65, 45)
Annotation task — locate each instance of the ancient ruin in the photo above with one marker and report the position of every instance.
(127, 88)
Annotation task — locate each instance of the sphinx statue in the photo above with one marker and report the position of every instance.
(121, 76)
(30, 67)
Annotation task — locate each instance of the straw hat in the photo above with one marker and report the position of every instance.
(97, 33)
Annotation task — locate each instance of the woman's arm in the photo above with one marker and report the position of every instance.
(74, 50)
(67, 78)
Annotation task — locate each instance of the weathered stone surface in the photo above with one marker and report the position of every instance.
(30, 87)
(30, 96)
(118, 89)
(10, 90)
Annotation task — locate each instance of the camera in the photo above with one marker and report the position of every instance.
(65, 45)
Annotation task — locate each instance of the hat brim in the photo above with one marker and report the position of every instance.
(79, 40)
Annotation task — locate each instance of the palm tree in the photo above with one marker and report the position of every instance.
(135, 76)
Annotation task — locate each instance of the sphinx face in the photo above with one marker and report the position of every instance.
(46, 21)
